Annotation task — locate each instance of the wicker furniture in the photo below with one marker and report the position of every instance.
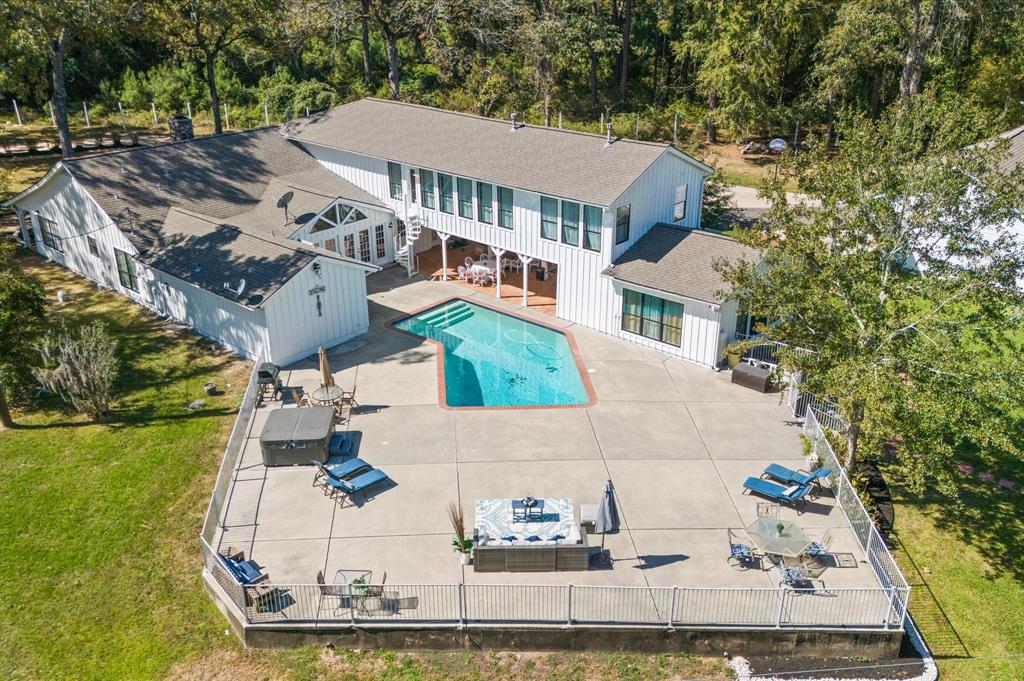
(532, 558)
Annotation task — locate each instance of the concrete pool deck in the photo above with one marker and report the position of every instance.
(676, 439)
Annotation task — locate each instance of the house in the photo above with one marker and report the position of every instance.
(581, 204)
(262, 239)
(194, 230)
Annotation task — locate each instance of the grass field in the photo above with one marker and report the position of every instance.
(966, 566)
(99, 522)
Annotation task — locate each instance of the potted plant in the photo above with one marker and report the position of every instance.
(460, 543)
(779, 527)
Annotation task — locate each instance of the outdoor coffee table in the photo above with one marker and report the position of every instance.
(521, 513)
(790, 543)
(328, 394)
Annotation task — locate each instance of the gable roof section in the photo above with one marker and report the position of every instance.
(559, 163)
(679, 261)
(209, 253)
(218, 177)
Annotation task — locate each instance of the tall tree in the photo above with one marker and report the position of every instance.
(895, 284)
(22, 316)
(627, 25)
(921, 29)
(396, 19)
(206, 29)
(52, 27)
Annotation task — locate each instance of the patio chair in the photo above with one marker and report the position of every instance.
(793, 494)
(741, 553)
(337, 472)
(768, 509)
(468, 262)
(343, 592)
(794, 577)
(340, 446)
(798, 477)
(819, 548)
(463, 273)
(245, 572)
(342, 490)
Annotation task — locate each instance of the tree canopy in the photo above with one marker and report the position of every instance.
(895, 285)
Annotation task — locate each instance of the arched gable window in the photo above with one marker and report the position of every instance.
(337, 215)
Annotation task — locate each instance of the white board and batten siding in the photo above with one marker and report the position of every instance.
(78, 217)
(237, 328)
(296, 328)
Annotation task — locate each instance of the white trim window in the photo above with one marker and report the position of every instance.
(484, 202)
(427, 188)
(548, 218)
(622, 224)
(465, 188)
(505, 203)
(570, 223)
(652, 317)
(592, 228)
(51, 235)
(126, 272)
(336, 215)
(679, 208)
(94, 248)
(394, 180)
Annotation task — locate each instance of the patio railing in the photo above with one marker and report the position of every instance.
(221, 488)
(878, 608)
(876, 551)
(573, 605)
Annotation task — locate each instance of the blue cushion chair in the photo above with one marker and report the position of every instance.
(244, 571)
(793, 495)
(342, 490)
(791, 477)
(738, 551)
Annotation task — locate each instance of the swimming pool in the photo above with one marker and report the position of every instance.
(493, 359)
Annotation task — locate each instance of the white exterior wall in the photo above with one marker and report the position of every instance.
(374, 217)
(296, 329)
(62, 200)
(239, 329)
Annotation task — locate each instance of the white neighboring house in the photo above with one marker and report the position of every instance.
(618, 219)
(192, 230)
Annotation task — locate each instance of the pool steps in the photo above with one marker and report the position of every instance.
(447, 315)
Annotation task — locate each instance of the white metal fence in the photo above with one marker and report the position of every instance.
(876, 608)
(571, 605)
(871, 541)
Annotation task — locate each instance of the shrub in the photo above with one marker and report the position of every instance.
(80, 367)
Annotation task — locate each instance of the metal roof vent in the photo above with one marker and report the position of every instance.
(513, 121)
(608, 139)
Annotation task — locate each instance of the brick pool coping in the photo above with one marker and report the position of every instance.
(442, 398)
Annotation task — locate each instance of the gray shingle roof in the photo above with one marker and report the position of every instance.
(544, 160)
(219, 177)
(679, 261)
(1015, 155)
(209, 253)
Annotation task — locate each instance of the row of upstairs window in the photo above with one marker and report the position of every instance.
(451, 194)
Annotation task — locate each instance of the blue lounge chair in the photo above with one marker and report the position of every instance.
(245, 572)
(792, 495)
(791, 477)
(342, 490)
(340, 446)
(339, 471)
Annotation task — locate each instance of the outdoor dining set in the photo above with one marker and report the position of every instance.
(485, 270)
(780, 543)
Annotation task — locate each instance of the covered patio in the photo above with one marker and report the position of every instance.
(442, 263)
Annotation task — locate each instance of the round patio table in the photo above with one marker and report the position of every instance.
(327, 394)
(791, 542)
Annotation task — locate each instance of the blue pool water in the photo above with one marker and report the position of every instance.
(493, 359)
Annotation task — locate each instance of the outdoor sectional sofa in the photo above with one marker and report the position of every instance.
(532, 557)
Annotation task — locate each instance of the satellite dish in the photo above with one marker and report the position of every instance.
(777, 145)
(283, 201)
(241, 287)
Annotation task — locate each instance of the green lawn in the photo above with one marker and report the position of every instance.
(100, 566)
(966, 566)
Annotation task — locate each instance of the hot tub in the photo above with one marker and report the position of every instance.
(294, 437)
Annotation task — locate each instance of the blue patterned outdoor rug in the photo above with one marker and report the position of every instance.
(555, 526)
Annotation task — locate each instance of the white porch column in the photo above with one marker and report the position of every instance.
(444, 255)
(526, 275)
(498, 252)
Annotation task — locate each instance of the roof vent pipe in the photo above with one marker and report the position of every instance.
(513, 121)
(608, 139)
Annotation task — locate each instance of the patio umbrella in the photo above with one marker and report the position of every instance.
(607, 514)
(326, 377)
